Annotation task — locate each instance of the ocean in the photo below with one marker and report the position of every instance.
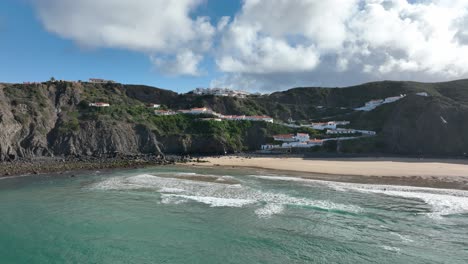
(206, 215)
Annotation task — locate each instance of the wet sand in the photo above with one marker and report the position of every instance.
(398, 171)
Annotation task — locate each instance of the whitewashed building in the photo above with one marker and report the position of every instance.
(260, 118)
(371, 105)
(302, 137)
(153, 106)
(341, 131)
(269, 147)
(324, 125)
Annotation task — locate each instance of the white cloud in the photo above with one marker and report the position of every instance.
(183, 63)
(157, 27)
(273, 44)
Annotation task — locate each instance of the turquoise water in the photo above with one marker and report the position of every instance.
(168, 215)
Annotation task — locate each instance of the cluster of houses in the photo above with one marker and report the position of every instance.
(373, 104)
(346, 131)
(219, 117)
(300, 140)
(220, 92)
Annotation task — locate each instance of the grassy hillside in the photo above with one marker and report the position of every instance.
(56, 118)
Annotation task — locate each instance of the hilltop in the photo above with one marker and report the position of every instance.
(54, 119)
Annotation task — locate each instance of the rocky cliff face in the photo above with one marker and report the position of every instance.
(37, 120)
(52, 119)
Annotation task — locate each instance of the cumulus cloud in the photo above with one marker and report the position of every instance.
(274, 44)
(162, 29)
(183, 63)
(277, 44)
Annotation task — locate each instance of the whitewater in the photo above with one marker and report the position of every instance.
(203, 215)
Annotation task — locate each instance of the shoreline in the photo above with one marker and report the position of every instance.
(306, 168)
(38, 166)
(433, 173)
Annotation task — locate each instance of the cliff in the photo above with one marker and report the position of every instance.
(53, 119)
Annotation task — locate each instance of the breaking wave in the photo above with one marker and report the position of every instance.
(442, 201)
(216, 194)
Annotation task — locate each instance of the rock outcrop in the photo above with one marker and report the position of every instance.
(37, 120)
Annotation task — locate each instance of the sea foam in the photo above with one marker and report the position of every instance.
(214, 194)
(442, 201)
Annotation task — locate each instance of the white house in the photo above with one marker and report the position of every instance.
(305, 144)
(342, 123)
(371, 105)
(393, 99)
(341, 131)
(302, 137)
(269, 147)
(154, 105)
(220, 92)
(324, 125)
(99, 104)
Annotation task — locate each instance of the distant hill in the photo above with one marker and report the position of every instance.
(54, 119)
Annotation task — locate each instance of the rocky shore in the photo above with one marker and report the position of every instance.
(70, 164)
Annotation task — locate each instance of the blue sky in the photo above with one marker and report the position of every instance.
(30, 53)
(261, 45)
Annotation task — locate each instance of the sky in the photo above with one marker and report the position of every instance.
(254, 45)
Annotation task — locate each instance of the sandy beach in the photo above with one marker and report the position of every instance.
(420, 172)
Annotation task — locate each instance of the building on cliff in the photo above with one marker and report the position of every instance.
(324, 125)
(153, 105)
(300, 140)
(94, 80)
(220, 92)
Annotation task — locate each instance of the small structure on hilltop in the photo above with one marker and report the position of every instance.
(99, 104)
(95, 80)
